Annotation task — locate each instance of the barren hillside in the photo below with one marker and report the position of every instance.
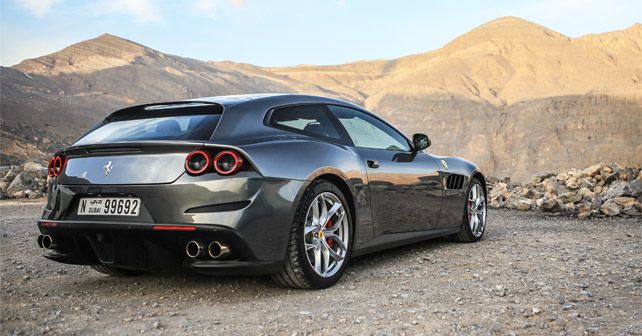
(512, 95)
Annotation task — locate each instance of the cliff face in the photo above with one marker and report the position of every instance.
(511, 95)
(529, 137)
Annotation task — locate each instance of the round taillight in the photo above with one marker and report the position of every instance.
(227, 162)
(56, 165)
(197, 162)
(50, 166)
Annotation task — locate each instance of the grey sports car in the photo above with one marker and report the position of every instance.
(280, 184)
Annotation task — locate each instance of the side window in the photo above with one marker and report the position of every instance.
(369, 132)
(311, 120)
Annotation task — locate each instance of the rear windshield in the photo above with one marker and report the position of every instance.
(191, 123)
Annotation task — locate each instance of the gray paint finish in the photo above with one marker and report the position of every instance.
(400, 201)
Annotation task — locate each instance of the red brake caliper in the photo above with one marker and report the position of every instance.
(328, 240)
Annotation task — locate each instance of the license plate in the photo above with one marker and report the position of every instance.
(109, 206)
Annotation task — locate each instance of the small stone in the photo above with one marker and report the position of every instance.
(636, 188)
(625, 201)
(632, 210)
(518, 203)
(610, 208)
(617, 189)
(585, 192)
(593, 170)
(570, 197)
(550, 205)
(584, 214)
(572, 184)
(568, 207)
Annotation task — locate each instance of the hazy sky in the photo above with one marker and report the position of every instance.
(278, 33)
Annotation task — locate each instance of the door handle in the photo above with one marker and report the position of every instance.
(373, 163)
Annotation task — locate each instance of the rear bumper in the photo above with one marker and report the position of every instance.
(250, 213)
(140, 246)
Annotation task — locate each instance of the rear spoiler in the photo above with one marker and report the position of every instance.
(139, 110)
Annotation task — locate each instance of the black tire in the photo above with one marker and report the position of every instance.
(115, 271)
(296, 271)
(465, 234)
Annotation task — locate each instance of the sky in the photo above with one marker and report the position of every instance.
(286, 32)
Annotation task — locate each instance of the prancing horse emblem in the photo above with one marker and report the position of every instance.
(107, 168)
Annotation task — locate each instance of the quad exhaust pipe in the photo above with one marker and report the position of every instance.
(195, 249)
(217, 250)
(46, 241)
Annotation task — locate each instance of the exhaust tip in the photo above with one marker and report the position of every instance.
(194, 249)
(217, 250)
(46, 241)
(39, 240)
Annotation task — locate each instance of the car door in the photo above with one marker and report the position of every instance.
(405, 187)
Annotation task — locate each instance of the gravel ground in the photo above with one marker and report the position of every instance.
(531, 274)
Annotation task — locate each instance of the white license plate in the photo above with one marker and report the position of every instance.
(109, 206)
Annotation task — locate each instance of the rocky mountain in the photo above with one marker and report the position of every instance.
(48, 101)
(511, 95)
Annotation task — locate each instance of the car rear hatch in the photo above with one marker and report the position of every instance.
(127, 163)
(140, 145)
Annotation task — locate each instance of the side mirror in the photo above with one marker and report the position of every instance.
(420, 141)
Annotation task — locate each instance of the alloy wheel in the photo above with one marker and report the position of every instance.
(326, 234)
(476, 210)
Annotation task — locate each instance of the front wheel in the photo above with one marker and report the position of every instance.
(474, 220)
(320, 239)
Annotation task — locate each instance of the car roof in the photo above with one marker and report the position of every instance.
(250, 110)
(238, 102)
(247, 110)
(230, 100)
(270, 99)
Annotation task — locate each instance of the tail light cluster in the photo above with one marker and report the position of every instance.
(225, 162)
(56, 165)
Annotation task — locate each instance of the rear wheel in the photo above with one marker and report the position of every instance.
(115, 271)
(320, 239)
(474, 220)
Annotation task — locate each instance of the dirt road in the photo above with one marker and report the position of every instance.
(530, 275)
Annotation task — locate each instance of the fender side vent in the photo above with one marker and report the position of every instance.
(455, 181)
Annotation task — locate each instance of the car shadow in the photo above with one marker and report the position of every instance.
(240, 288)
